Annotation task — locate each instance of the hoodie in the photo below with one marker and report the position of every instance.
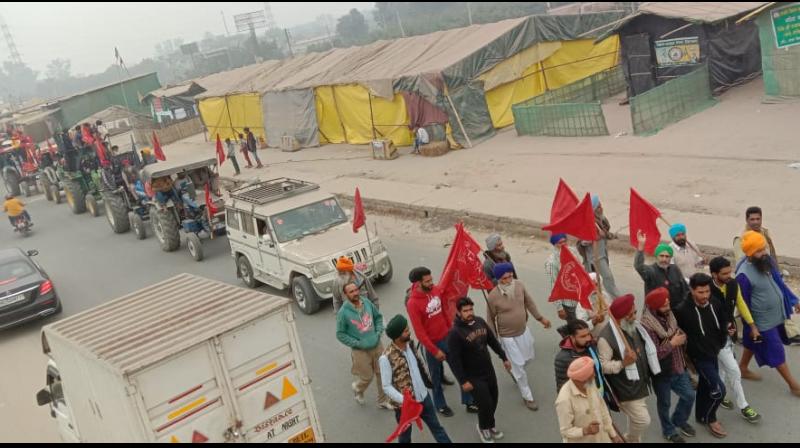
(469, 350)
(428, 318)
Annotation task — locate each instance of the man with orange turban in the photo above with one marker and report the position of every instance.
(347, 273)
(582, 415)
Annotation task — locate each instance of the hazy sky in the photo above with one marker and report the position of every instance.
(86, 33)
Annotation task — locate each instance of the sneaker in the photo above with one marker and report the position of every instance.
(386, 404)
(676, 438)
(497, 434)
(485, 435)
(446, 411)
(532, 405)
(472, 408)
(688, 431)
(795, 340)
(727, 404)
(751, 415)
(358, 396)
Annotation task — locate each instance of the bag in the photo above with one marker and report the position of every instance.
(792, 328)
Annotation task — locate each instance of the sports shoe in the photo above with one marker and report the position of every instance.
(497, 434)
(751, 415)
(446, 411)
(485, 435)
(727, 404)
(532, 405)
(472, 408)
(676, 438)
(795, 340)
(386, 404)
(688, 431)
(358, 396)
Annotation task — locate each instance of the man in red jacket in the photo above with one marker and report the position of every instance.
(431, 326)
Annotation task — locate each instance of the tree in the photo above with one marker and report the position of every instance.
(352, 28)
(59, 69)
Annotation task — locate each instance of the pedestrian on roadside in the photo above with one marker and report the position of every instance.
(232, 155)
(583, 417)
(245, 150)
(252, 146)
(586, 249)
(347, 273)
(495, 253)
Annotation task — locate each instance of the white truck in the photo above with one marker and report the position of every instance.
(185, 360)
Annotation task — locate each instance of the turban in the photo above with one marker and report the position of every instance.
(416, 274)
(396, 327)
(676, 229)
(557, 237)
(657, 298)
(345, 264)
(492, 241)
(622, 306)
(595, 202)
(663, 247)
(581, 369)
(501, 269)
(753, 242)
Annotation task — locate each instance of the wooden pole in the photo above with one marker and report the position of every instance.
(458, 119)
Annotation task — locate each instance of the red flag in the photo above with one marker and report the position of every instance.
(644, 217)
(359, 218)
(572, 282)
(462, 271)
(579, 222)
(220, 152)
(157, 148)
(101, 152)
(564, 202)
(212, 210)
(410, 413)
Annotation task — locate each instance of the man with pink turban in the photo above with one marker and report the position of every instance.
(582, 415)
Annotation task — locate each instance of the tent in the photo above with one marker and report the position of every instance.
(664, 40)
(465, 79)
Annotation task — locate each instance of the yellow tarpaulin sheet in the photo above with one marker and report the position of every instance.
(228, 116)
(573, 61)
(343, 115)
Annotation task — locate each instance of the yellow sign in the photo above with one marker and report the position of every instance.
(288, 389)
(306, 436)
(680, 51)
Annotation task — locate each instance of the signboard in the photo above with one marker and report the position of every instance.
(250, 20)
(786, 25)
(680, 51)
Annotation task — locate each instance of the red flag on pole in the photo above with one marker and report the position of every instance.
(462, 271)
(220, 152)
(644, 216)
(212, 210)
(359, 218)
(579, 222)
(564, 202)
(572, 282)
(100, 149)
(159, 153)
(410, 413)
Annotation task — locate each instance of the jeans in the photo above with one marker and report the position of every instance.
(255, 156)
(486, 395)
(235, 163)
(663, 387)
(710, 390)
(429, 417)
(13, 219)
(437, 371)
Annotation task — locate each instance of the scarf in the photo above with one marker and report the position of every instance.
(631, 371)
(508, 290)
(650, 321)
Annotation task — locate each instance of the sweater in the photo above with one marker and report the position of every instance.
(706, 328)
(427, 317)
(655, 276)
(359, 329)
(510, 315)
(577, 410)
(769, 299)
(469, 350)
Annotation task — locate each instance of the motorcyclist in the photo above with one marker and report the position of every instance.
(15, 208)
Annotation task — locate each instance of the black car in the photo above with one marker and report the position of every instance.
(26, 292)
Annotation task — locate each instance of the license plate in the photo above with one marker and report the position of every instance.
(306, 436)
(12, 300)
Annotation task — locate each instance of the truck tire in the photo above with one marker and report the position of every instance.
(245, 272)
(12, 183)
(116, 213)
(55, 193)
(166, 229)
(195, 246)
(75, 197)
(386, 278)
(304, 295)
(91, 205)
(137, 224)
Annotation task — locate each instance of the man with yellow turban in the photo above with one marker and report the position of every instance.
(582, 415)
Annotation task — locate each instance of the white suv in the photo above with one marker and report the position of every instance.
(287, 233)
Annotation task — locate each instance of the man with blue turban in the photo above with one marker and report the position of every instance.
(552, 266)
(686, 256)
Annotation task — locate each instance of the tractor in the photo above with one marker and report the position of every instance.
(81, 180)
(124, 196)
(20, 169)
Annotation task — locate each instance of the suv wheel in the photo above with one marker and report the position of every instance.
(304, 295)
(245, 272)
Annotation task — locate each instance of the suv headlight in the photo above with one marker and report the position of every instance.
(321, 268)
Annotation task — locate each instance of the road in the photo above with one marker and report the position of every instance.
(91, 265)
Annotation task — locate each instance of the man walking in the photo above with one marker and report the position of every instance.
(252, 146)
(660, 323)
(704, 319)
(244, 148)
(583, 417)
(468, 342)
(232, 155)
(754, 219)
(552, 266)
(495, 253)
(347, 273)
(507, 310)
(401, 370)
(601, 265)
(685, 255)
(661, 273)
(578, 343)
(359, 326)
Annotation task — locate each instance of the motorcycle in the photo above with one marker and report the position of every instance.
(22, 225)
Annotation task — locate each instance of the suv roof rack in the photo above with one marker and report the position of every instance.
(267, 191)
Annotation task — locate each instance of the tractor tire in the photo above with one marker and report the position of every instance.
(137, 223)
(55, 193)
(116, 213)
(12, 183)
(75, 197)
(245, 272)
(166, 228)
(25, 187)
(91, 205)
(304, 295)
(48, 194)
(195, 246)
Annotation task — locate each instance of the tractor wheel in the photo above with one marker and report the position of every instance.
(91, 205)
(75, 196)
(166, 228)
(116, 213)
(12, 183)
(55, 193)
(25, 187)
(48, 194)
(195, 246)
(137, 223)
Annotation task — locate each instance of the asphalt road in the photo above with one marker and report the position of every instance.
(90, 265)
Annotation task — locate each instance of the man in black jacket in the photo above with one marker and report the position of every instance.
(704, 320)
(577, 343)
(468, 344)
(661, 273)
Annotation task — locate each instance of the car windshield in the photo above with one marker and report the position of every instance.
(307, 220)
(10, 271)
